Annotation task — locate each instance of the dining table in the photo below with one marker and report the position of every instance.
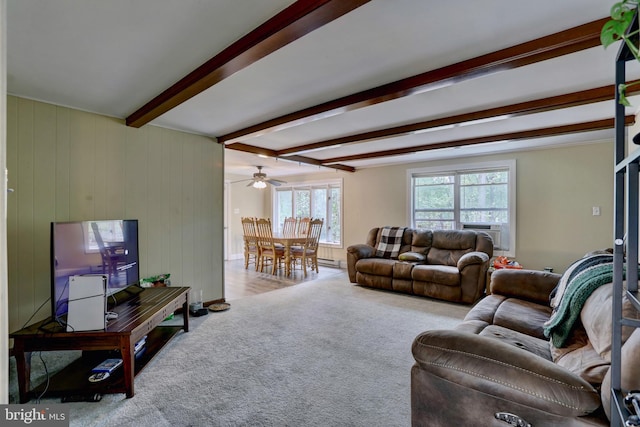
(288, 241)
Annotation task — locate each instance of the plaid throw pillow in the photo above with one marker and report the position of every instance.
(390, 242)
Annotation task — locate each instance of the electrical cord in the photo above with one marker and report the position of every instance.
(46, 387)
(35, 312)
(59, 302)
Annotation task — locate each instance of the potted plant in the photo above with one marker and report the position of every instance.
(616, 29)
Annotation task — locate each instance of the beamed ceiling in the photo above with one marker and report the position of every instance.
(331, 84)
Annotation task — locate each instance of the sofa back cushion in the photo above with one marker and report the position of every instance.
(596, 319)
(587, 353)
(448, 246)
(421, 241)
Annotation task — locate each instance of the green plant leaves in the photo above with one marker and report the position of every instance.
(622, 15)
(615, 29)
(622, 93)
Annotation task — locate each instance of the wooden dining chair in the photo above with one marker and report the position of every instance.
(268, 251)
(290, 227)
(308, 253)
(303, 226)
(250, 237)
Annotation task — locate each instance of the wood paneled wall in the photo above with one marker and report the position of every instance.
(69, 165)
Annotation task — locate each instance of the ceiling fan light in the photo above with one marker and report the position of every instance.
(259, 184)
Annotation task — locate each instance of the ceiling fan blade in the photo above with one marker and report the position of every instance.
(275, 182)
(251, 183)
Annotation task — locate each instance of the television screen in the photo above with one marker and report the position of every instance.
(105, 247)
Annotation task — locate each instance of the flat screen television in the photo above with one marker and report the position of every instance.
(105, 247)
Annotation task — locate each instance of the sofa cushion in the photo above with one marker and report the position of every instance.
(449, 245)
(577, 340)
(372, 281)
(579, 357)
(512, 313)
(402, 270)
(596, 319)
(421, 241)
(522, 316)
(585, 362)
(440, 274)
(482, 314)
(376, 266)
(390, 242)
(411, 256)
(533, 345)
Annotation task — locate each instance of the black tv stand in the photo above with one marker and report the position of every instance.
(138, 316)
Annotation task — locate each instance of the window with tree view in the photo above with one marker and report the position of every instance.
(317, 200)
(476, 198)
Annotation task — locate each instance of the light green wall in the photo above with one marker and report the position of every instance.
(243, 202)
(68, 165)
(556, 190)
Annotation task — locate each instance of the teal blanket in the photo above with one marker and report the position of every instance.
(576, 285)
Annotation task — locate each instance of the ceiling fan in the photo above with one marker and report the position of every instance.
(260, 180)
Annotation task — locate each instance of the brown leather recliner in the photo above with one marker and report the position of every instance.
(444, 264)
(498, 363)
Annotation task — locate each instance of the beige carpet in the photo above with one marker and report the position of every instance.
(322, 353)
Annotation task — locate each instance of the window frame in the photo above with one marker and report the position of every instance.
(90, 242)
(310, 185)
(458, 168)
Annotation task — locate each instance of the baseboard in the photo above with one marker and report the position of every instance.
(334, 263)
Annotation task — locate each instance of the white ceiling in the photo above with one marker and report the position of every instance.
(112, 57)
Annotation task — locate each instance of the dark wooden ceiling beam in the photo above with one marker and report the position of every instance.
(562, 43)
(297, 20)
(274, 154)
(573, 99)
(519, 135)
(604, 93)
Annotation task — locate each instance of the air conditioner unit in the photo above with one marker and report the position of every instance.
(493, 230)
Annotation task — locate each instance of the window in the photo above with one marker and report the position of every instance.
(110, 231)
(316, 200)
(478, 197)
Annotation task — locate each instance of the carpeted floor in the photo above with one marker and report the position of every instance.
(322, 353)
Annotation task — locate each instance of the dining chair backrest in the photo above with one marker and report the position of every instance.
(249, 227)
(315, 229)
(265, 233)
(290, 226)
(303, 226)
(250, 238)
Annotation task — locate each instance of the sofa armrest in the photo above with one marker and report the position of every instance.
(355, 253)
(472, 258)
(531, 285)
(501, 372)
(361, 251)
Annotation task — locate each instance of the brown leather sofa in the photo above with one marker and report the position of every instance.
(444, 264)
(498, 363)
